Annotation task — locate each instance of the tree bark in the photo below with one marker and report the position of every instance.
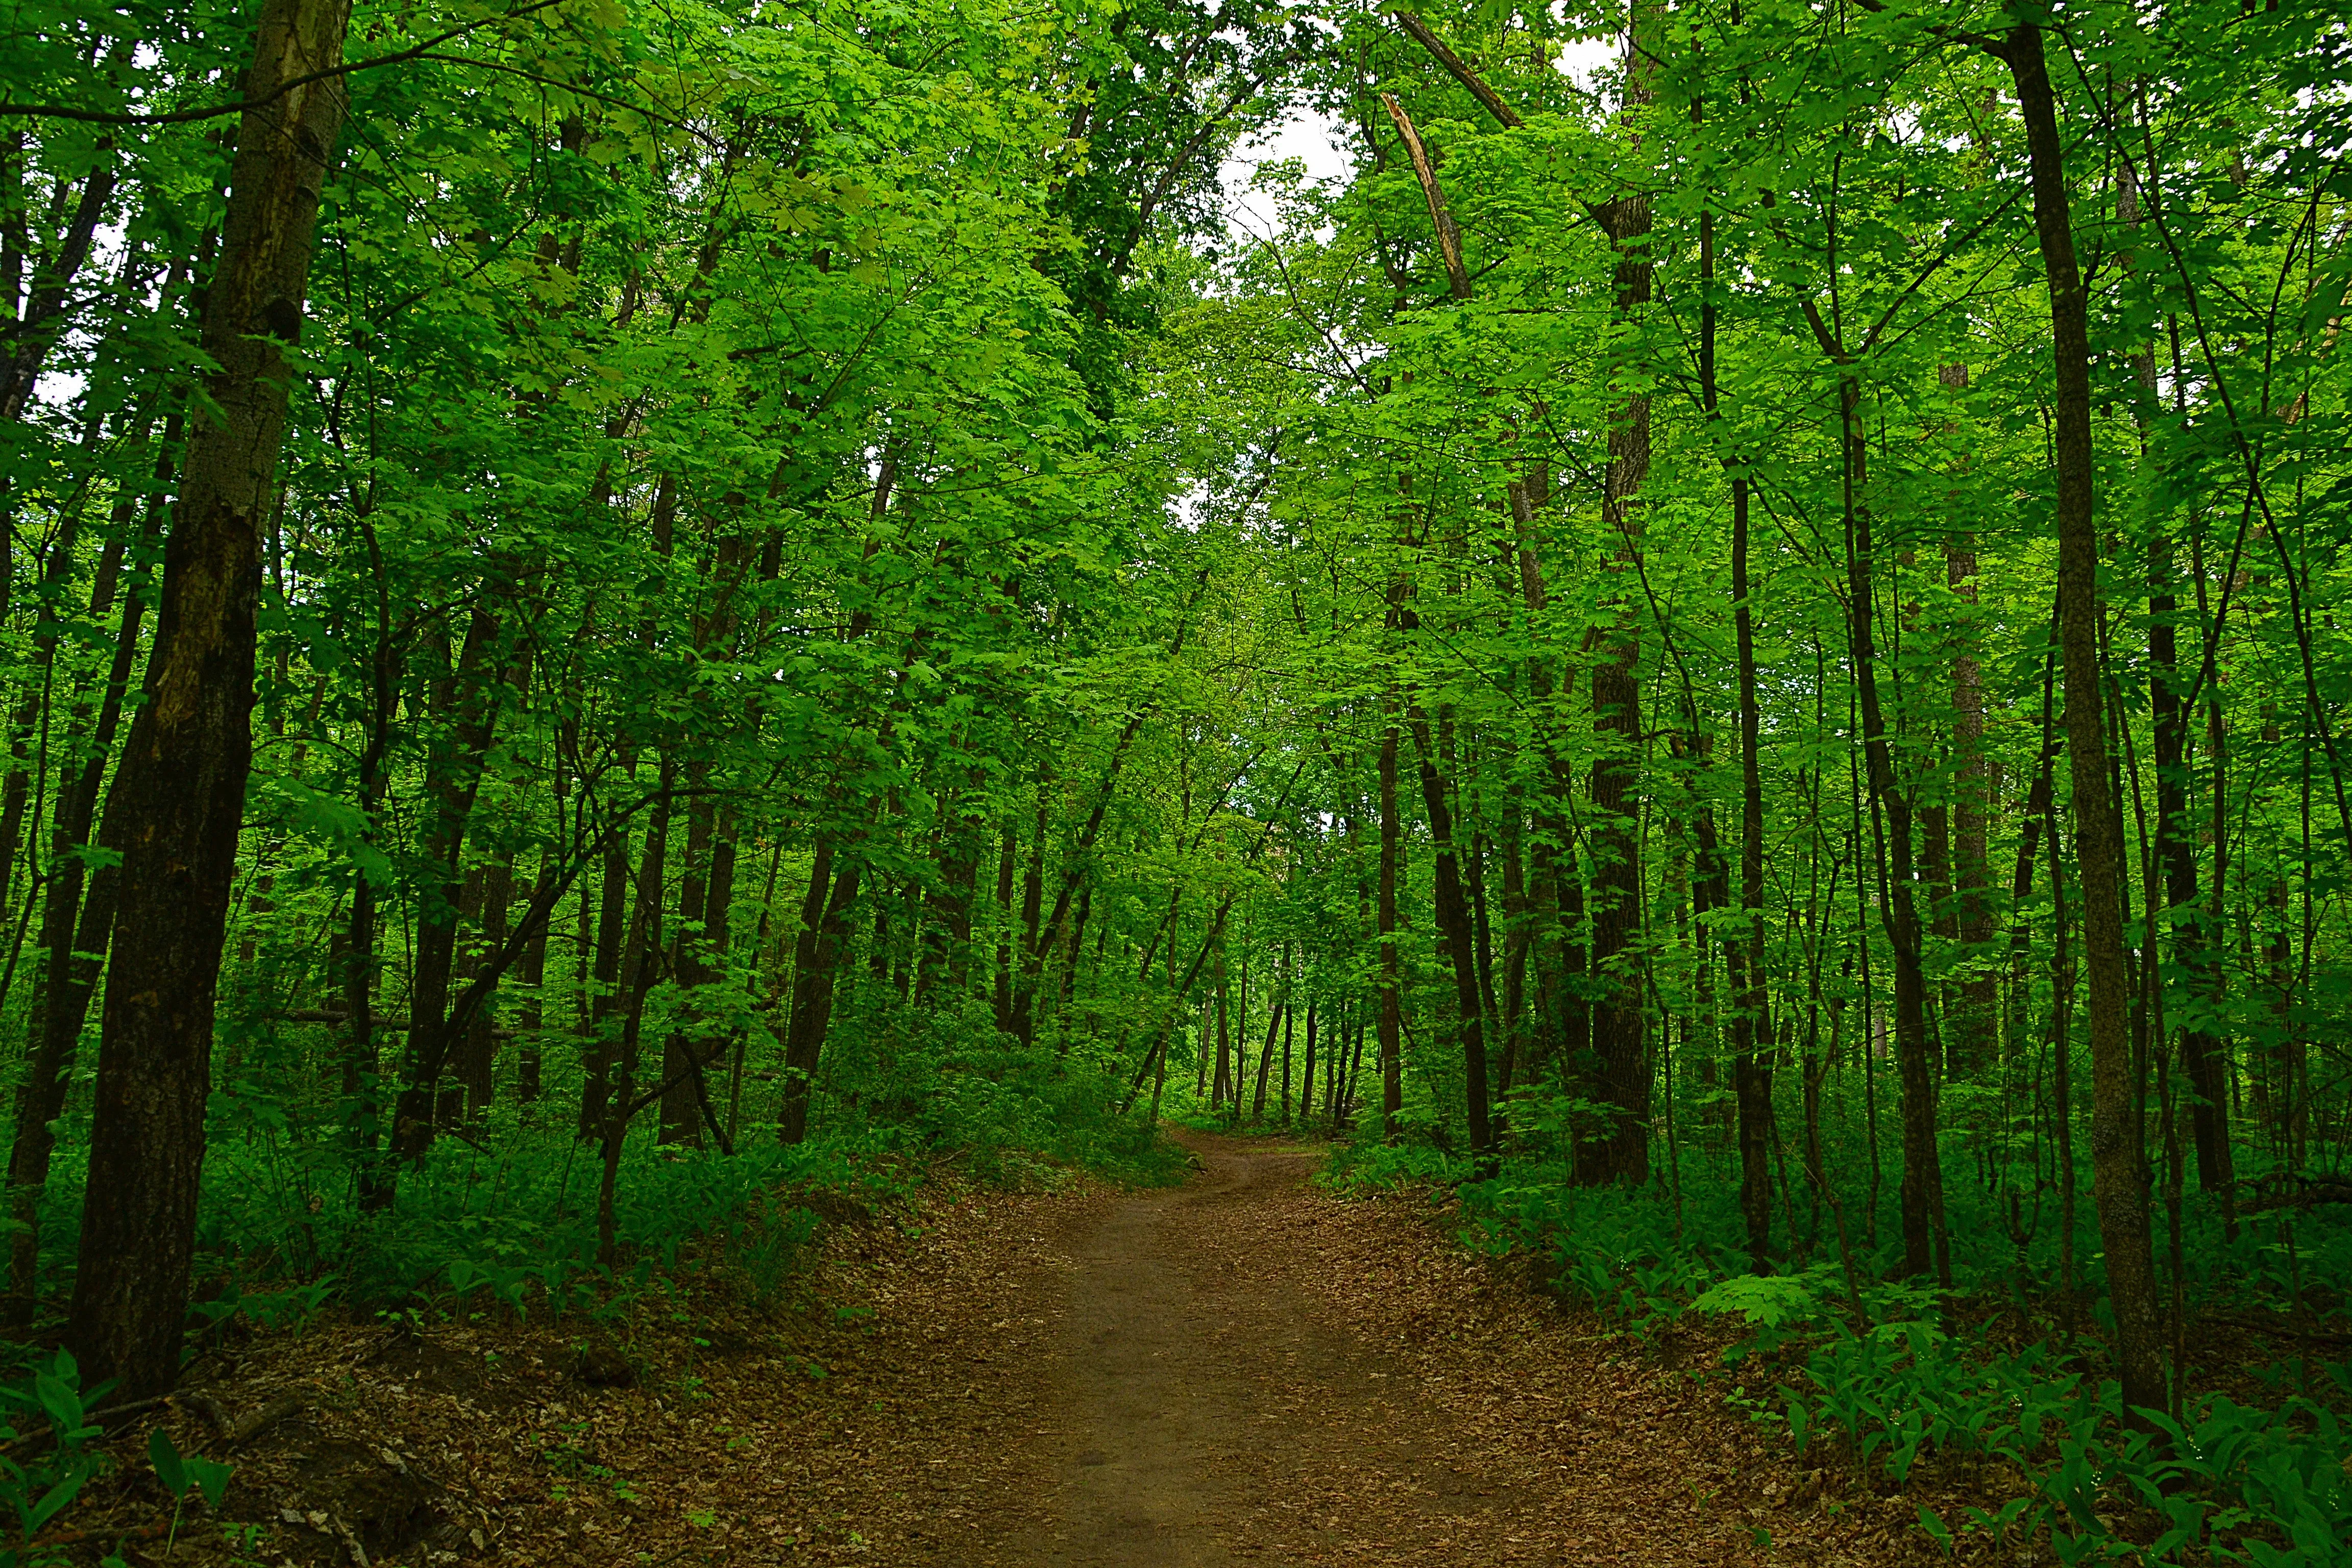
(2119, 1172)
(1751, 1075)
(74, 931)
(1621, 1074)
(1391, 1019)
(180, 785)
(1923, 1181)
(823, 944)
(1453, 925)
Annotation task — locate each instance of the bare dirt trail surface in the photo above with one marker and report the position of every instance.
(1245, 1369)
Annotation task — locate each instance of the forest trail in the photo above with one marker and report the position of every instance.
(1246, 1369)
(1209, 1412)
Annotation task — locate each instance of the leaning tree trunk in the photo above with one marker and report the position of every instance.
(178, 794)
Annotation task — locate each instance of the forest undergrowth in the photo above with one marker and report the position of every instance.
(2001, 1381)
(1720, 625)
(494, 1239)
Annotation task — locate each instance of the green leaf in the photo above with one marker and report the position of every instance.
(211, 1477)
(169, 1467)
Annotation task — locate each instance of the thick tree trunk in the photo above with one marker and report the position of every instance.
(180, 788)
(1619, 1150)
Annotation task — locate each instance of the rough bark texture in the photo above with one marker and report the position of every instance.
(180, 790)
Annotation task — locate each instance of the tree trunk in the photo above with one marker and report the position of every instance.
(180, 789)
(1923, 1181)
(2195, 946)
(1619, 1150)
(1454, 926)
(1971, 1034)
(605, 985)
(1391, 1019)
(823, 944)
(74, 932)
(2119, 1178)
(1751, 1078)
(681, 1118)
(467, 703)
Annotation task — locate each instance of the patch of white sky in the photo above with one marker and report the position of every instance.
(1325, 146)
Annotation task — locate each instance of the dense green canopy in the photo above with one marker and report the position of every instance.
(1762, 620)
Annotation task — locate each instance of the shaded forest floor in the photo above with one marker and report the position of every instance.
(1242, 1369)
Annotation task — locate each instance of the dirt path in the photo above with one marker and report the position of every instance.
(1246, 1369)
(1208, 1412)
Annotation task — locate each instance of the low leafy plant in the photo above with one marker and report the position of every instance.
(44, 1485)
(185, 1473)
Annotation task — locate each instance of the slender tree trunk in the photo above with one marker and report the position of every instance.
(1222, 1090)
(2195, 947)
(531, 974)
(1307, 1067)
(1751, 1076)
(468, 704)
(2119, 1182)
(681, 1118)
(605, 984)
(824, 944)
(637, 979)
(478, 1058)
(1971, 1029)
(1454, 926)
(1923, 1183)
(74, 932)
(1005, 862)
(1391, 869)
